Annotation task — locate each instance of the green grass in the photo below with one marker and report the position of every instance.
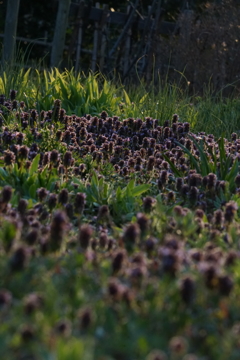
(91, 93)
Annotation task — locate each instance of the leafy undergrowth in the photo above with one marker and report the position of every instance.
(118, 239)
(92, 93)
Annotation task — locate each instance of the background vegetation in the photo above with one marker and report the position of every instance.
(82, 94)
(207, 53)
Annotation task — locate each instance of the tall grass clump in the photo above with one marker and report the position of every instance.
(216, 113)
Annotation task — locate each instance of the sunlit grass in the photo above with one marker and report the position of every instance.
(91, 93)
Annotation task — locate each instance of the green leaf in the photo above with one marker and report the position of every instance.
(3, 174)
(233, 172)
(74, 349)
(33, 191)
(94, 179)
(130, 185)
(34, 166)
(143, 98)
(26, 77)
(118, 194)
(140, 189)
(129, 188)
(221, 149)
(194, 162)
(7, 234)
(63, 88)
(173, 167)
(126, 98)
(204, 162)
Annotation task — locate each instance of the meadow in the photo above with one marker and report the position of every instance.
(119, 213)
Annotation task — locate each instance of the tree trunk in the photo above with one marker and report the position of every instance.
(10, 30)
(60, 32)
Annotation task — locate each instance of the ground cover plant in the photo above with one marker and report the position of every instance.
(92, 93)
(119, 236)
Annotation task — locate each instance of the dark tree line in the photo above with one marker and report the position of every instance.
(35, 18)
(205, 40)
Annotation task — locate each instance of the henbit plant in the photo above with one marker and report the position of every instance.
(79, 148)
(95, 265)
(123, 202)
(222, 165)
(82, 94)
(87, 261)
(26, 181)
